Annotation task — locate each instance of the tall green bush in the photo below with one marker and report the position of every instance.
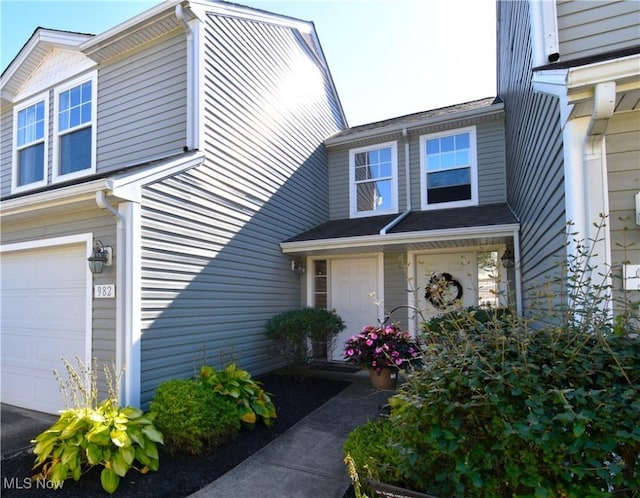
(293, 331)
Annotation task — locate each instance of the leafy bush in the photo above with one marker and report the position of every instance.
(515, 412)
(192, 416)
(292, 330)
(374, 455)
(89, 434)
(236, 384)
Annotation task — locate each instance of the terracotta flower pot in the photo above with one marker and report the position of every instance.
(382, 379)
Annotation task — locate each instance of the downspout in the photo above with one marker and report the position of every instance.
(123, 330)
(407, 173)
(192, 131)
(596, 184)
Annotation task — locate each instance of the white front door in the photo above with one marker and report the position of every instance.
(354, 287)
(463, 267)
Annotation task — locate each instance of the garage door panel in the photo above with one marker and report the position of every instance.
(44, 307)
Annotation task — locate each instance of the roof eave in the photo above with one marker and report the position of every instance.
(369, 241)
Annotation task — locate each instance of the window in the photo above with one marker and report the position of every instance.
(320, 283)
(448, 176)
(373, 179)
(74, 128)
(31, 144)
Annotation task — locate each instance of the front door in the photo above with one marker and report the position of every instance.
(354, 285)
(460, 267)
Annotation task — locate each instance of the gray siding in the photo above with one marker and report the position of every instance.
(103, 227)
(491, 166)
(396, 285)
(623, 164)
(586, 28)
(534, 158)
(6, 144)
(142, 106)
(213, 272)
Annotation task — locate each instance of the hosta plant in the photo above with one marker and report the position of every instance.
(91, 434)
(252, 400)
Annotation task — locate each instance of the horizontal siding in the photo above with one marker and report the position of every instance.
(103, 227)
(586, 28)
(142, 105)
(534, 154)
(490, 155)
(6, 149)
(213, 272)
(623, 175)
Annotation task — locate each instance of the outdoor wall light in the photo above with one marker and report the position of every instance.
(100, 257)
(298, 266)
(507, 259)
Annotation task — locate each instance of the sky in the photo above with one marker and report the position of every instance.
(387, 58)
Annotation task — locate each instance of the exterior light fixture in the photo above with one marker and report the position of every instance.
(298, 266)
(100, 257)
(507, 259)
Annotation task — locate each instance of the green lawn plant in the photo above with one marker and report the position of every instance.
(192, 417)
(91, 434)
(252, 401)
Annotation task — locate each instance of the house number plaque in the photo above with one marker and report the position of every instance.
(104, 291)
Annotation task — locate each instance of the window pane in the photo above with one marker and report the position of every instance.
(448, 160)
(31, 164)
(462, 158)
(75, 96)
(383, 195)
(64, 101)
(447, 144)
(74, 117)
(433, 146)
(362, 173)
(40, 111)
(361, 159)
(448, 178)
(449, 194)
(385, 155)
(433, 163)
(384, 170)
(366, 196)
(63, 121)
(86, 113)
(75, 151)
(462, 141)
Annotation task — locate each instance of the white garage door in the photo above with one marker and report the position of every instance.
(44, 317)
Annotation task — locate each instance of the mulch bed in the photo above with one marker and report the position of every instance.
(182, 475)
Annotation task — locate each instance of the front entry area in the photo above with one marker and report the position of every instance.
(354, 289)
(44, 317)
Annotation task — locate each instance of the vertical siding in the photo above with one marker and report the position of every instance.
(535, 179)
(623, 170)
(396, 287)
(103, 227)
(142, 110)
(587, 28)
(213, 272)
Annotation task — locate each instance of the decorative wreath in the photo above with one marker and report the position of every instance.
(443, 290)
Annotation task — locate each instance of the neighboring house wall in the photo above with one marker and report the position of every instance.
(142, 105)
(82, 220)
(212, 269)
(587, 28)
(623, 165)
(534, 154)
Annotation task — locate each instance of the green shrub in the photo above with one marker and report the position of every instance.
(374, 452)
(90, 434)
(510, 411)
(237, 385)
(193, 417)
(293, 330)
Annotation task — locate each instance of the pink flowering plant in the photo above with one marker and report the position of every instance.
(382, 346)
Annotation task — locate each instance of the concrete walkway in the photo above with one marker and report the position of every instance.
(307, 460)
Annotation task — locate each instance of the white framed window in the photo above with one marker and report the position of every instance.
(448, 169)
(31, 125)
(74, 129)
(373, 180)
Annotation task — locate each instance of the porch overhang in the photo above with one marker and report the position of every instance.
(479, 225)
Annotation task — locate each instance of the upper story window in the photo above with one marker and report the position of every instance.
(74, 129)
(449, 169)
(373, 174)
(31, 121)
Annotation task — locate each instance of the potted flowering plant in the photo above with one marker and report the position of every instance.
(381, 349)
